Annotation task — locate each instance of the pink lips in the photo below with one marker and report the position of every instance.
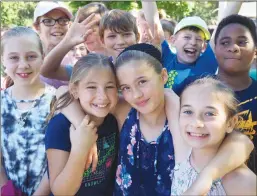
(142, 103)
(24, 75)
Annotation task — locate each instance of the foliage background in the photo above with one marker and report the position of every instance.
(21, 12)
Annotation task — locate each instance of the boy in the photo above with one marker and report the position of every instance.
(168, 26)
(189, 39)
(117, 30)
(235, 49)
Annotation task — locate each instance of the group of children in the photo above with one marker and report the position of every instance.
(115, 111)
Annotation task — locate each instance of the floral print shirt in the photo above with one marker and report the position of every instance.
(143, 168)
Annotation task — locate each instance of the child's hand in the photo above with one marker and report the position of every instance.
(158, 35)
(92, 158)
(79, 31)
(83, 138)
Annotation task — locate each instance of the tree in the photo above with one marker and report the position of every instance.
(17, 13)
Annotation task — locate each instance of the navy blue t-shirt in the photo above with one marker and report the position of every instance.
(101, 182)
(248, 111)
(178, 72)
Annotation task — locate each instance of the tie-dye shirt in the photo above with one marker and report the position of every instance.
(23, 150)
(143, 167)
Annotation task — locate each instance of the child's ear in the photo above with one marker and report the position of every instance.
(74, 90)
(164, 75)
(172, 40)
(232, 123)
(204, 46)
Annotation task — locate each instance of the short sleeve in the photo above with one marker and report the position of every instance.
(68, 69)
(167, 54)
(58, 133)
(207, 63)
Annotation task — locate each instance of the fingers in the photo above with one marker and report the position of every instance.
(89, 161)
(78, 16)
(94, 157)
(87, 33)
(88, 19)
(72, 128)
(85, 120)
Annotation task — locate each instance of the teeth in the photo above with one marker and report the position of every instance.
(100, 106)
(197, 134)
(24, 74)
(57, 34)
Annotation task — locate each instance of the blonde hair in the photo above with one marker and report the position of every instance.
(80, 70)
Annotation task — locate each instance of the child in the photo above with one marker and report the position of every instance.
(22, 125)
(51, 21)
(235, 48)
(146, 155)
(77, 52)
(118, 30)
(168, 26)
(189, 39)
(93, 41)
(67, 150)
(208, 112)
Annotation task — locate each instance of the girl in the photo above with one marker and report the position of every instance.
(52, 21)
(204, 125)
(146, 155)
(22, 126)
(67, 150)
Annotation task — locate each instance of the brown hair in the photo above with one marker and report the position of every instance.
(18, 32)
(225, 93)
(80, 70)
(118, 21)
(94, 7)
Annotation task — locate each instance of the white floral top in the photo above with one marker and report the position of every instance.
(183, 177)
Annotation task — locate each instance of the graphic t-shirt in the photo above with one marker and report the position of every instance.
(101, 182)
(248, 111)
(178, 72)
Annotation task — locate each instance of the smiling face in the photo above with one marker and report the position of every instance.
(22, 59)
(115, 42)
(189, 45)
(203, 123)
(235, 49)
(52, 35)
(97, 95)
(142, 87)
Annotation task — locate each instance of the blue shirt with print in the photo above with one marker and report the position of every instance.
(178, 72)
(100, 182)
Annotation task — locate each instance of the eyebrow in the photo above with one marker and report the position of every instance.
(241, 36)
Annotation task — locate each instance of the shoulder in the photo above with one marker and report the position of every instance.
(58, 133)
(241, 181)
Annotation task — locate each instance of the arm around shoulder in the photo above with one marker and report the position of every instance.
(241, 181)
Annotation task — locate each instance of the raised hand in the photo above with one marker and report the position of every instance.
(79, 31)
(83, 138)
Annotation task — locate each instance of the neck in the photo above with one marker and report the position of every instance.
(155, 117)
(200, 158)
(27, 91)
(236, 82)
(98, 121)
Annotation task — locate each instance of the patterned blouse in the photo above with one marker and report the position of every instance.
(183, 177)
(143, 168)
(22, 139)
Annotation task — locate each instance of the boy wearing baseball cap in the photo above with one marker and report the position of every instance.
(193, 55)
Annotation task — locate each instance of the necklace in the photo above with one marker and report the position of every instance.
(21, 115)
